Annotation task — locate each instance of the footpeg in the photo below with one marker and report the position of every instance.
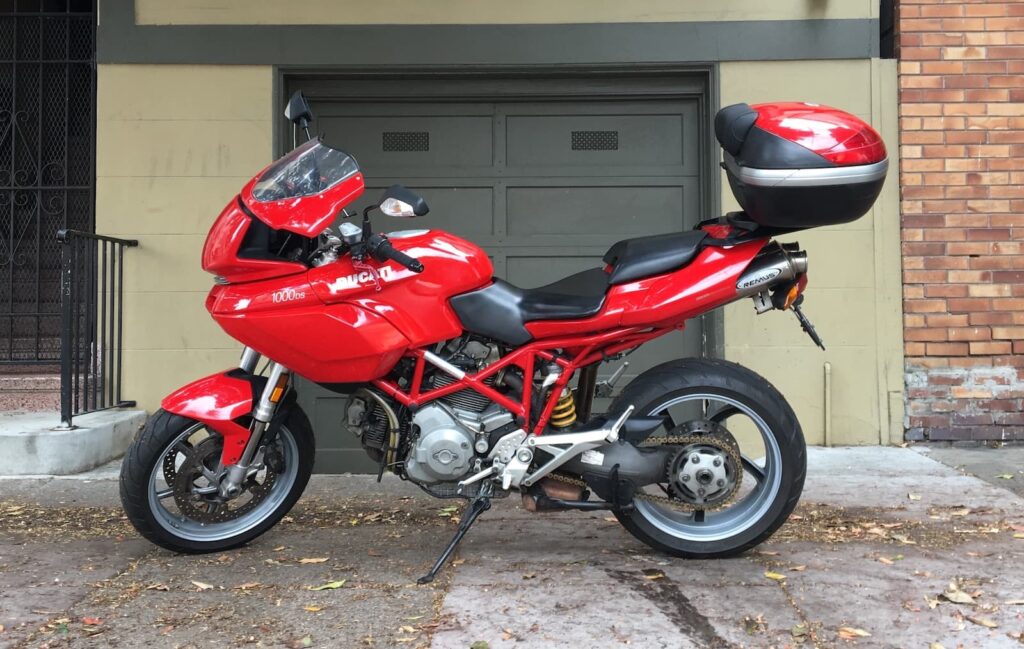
(605, 387)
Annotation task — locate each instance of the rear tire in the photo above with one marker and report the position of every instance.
(146, 455)
(674, 382)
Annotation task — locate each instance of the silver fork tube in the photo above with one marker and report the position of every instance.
(249, 359)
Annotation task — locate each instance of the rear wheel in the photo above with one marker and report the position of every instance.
(171, 474)
(740, 412)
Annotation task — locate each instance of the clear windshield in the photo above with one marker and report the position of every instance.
(310, 169)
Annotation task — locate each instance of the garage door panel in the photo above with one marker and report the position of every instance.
(594, 141)
(465, 211)
(613, 211)
(543, 173)
(390, 144)
(533, 271)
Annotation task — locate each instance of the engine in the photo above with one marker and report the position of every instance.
(444, 450)
(445, 440)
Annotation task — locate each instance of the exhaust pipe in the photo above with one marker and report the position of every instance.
(783, 264)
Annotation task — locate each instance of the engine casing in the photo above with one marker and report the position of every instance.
(443, 452)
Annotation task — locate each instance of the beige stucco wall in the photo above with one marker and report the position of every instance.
(853, 296)
(173, 145)
(468, 12)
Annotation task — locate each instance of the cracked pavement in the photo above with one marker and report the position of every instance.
(880, 534)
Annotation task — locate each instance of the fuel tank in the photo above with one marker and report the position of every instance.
(415, 303)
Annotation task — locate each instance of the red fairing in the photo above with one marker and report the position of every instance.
(835, 135)
(220, 252)
(306, 215)
(216, 401)
(332, 325)
(285, 320)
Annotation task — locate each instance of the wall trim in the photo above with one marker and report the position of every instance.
(120, 40)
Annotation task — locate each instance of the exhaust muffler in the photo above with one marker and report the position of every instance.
(785, 263)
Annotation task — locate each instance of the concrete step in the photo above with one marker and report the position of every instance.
(30, 383)
(29, 445)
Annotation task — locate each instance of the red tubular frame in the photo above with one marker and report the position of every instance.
(581, 351)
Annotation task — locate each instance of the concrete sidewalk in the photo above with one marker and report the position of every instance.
(881, 534)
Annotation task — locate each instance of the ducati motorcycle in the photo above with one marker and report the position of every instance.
(471, 387)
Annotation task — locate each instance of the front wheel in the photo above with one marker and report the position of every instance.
(759, 479)
(170, 478)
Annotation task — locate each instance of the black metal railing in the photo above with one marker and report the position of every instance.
(91, 300)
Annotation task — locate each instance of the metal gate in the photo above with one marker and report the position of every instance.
(47, 163)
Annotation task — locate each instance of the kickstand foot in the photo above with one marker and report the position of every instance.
(476, 507)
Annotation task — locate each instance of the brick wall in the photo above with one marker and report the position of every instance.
(962, 179)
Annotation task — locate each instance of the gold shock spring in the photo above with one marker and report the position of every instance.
(564, 413)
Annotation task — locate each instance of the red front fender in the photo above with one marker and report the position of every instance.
(217, 401)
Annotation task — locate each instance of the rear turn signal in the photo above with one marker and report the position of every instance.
(795, 291)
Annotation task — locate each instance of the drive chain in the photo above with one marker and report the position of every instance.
(674, 440)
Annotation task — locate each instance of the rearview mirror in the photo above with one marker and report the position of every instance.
(298, 111)
(399, 201)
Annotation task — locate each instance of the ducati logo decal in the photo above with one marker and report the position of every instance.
(357, 280)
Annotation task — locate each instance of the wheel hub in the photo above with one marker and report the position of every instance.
(706, 472)
(196, 484)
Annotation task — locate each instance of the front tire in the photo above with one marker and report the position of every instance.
(689, 388)
(168, 519)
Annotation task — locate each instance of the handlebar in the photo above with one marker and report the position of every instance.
(382, 250)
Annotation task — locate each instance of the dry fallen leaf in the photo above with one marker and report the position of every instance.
(914, 496)
(92, 621)
(313, 560)
(935, 645)
(932, 603)
(1018, 535)
(653, 573)
(162, 587)
(312, 608)
(774, 575)
(798, 631)
(851, 633)
(202, 585)
(982, 621)
(957, 596)
(886, 560)
(406, 629)
(902, 538)
(331, 585)
(1005, 476)
(798, 568)
(1014, 602)
(248, 585)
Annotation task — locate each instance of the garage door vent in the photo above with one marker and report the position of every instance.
(595, 140)
(406, 141)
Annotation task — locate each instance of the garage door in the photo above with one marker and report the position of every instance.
(544, 183)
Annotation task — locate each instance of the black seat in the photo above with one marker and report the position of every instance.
(501, 310)
(633, 259)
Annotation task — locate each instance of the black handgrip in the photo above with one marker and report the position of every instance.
(381, 249)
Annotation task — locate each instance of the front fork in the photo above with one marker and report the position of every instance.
(262, 414)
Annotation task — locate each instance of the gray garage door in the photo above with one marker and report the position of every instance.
(543, 174)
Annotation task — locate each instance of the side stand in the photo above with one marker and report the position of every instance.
(477, 506)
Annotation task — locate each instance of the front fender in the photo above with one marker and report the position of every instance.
(218, 401)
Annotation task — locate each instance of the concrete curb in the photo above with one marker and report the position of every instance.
(30, 446)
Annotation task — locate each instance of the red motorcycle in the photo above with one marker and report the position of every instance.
(473, 388)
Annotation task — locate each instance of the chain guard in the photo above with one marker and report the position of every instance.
(211, 508)
(698, 432)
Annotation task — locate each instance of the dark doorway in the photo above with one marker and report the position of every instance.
(47, 163)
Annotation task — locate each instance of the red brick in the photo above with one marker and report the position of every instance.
(946, 349)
